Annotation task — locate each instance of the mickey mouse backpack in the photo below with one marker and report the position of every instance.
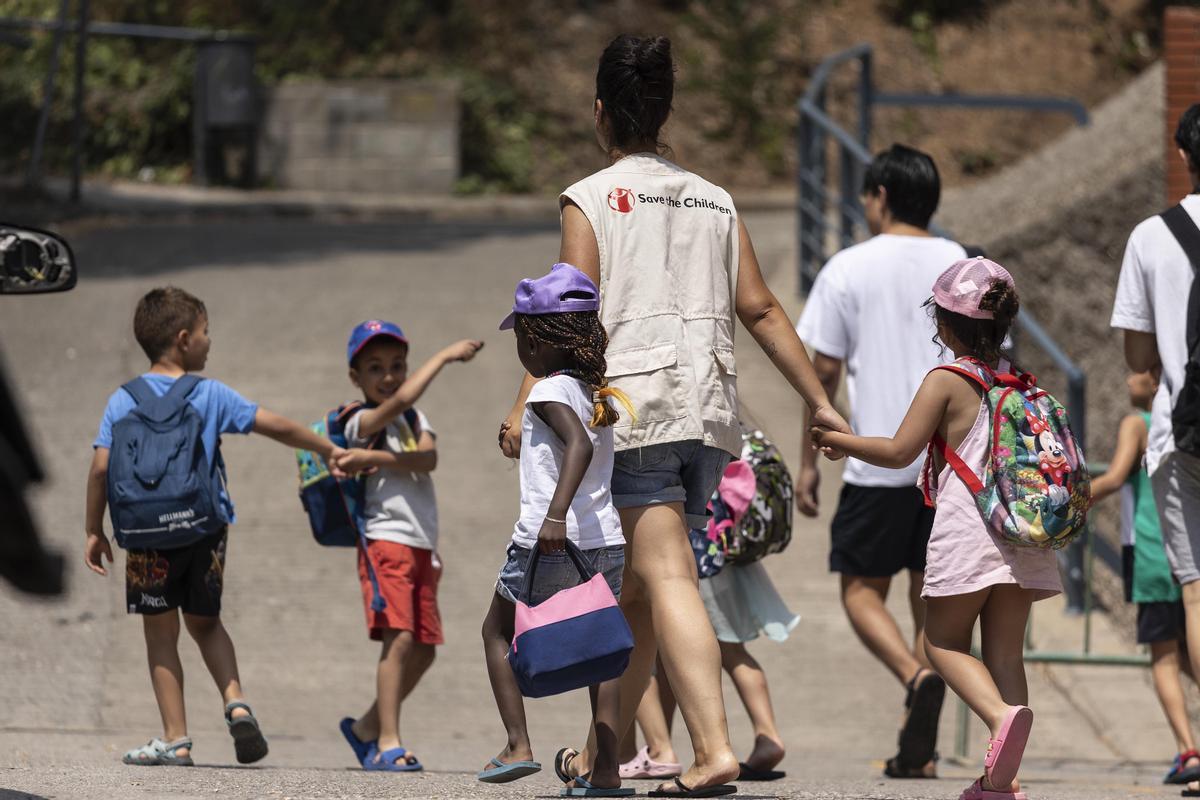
(1035, 489)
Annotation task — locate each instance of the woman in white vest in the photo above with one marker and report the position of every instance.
(673, 263)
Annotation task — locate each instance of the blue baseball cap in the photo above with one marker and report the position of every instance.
(371, 329)
(562, 290)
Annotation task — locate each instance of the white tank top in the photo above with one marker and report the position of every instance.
(668, 242)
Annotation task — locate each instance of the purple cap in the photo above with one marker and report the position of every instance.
(563, 289)
(961, 287)
(371, 329)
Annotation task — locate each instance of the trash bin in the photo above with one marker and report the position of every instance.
(226, 111)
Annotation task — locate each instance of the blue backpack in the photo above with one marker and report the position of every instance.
(335, 507)
(162, 490)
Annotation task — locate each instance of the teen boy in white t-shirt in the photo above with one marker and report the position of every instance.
(866, 312)
(1156, 283)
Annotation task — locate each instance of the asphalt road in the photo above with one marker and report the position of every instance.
(282, 296)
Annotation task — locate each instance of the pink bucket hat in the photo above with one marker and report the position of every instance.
(961, 287)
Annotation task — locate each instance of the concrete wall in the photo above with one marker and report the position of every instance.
(377, 136)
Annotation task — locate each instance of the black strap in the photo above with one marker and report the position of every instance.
(576, 555)
(1184, 229)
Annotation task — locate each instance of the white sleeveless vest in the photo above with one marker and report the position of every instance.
(669, 250)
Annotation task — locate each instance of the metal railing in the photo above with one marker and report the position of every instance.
(830, 212)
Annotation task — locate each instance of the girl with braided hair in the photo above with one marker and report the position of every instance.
(566, 469)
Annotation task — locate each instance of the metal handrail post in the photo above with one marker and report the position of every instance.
(866, 97)
(34, 175)
(846, 180)
(77, 124)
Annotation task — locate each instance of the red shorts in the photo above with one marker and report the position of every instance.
(408, 583)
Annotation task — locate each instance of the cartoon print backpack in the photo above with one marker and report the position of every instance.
(1035, 490)
(766, 525)
(162, 490)
(335, 506)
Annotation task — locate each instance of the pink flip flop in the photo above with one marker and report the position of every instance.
(642, 766)
(1004, 753)
(976, 792)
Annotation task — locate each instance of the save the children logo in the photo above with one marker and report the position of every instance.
(621, 200)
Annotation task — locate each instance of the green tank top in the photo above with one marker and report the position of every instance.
(1152, 579)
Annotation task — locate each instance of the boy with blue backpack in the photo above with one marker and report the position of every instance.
(394, 450)
(157, 466)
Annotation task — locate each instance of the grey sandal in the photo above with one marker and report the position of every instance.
(248, 741)
(157, 753)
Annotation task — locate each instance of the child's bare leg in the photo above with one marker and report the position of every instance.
(656, 726)
(1002, 642)
(420, 658)
(948, 628)
(497, 636)
(166, 673)
(751, 683)
(389, 683)
(1165, 667)
(606, 708)
(217, 649)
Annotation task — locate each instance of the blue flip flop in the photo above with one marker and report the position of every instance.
(503, 773)
(359, 747)
(395, 760)
(583, 788)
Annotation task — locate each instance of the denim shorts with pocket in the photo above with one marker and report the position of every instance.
(674, 472)
(556, 571)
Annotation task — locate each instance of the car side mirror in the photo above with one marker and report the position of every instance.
(34, 261)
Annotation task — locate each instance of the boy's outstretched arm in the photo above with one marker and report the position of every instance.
(563, 420)
(1131, 443)
(376, 419)
(97, 546)
(423, 459)
(293, 434)
(918, 427)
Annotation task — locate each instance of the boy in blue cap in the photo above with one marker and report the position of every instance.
(395, 445)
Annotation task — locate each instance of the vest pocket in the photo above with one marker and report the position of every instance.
(650, 376)
(718, 387)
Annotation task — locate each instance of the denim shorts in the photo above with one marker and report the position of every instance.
(674, 472)
(556, 572)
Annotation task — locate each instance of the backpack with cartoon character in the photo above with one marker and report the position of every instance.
(1035, 489)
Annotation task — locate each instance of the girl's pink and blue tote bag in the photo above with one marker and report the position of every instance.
(577, 637)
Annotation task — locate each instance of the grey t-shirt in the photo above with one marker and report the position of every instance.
(400, 506)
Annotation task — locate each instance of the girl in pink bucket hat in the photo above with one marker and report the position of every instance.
(971, 573)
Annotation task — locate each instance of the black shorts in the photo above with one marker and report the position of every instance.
(189, 578)
(1160, 622)
(879, 531)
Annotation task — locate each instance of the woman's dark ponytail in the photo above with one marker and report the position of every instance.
(635, 84)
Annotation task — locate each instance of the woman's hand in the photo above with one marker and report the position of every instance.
(825, 419)
(552, 538)
(510, 437)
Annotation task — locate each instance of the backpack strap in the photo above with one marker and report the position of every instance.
(182, 387)
(1184, 229)
(960, 467)
(139, 389)
(985, 377)
(973, 370)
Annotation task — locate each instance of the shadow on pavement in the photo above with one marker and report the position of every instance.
(147, 248)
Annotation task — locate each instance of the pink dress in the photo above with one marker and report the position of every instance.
(963, 556)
